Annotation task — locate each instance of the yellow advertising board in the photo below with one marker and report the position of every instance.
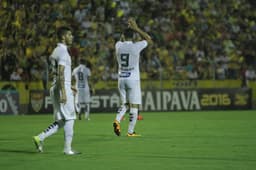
(22, 87)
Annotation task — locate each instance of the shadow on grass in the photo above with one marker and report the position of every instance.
(21, 151)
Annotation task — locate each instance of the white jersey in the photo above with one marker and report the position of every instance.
(60, 56)
(81, 74)
(128, 56)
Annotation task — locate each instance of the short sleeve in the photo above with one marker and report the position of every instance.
(63, 55)
(140, 45)
(118, 44)
(89, 72)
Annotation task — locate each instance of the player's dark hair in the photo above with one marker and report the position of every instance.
(62, 31)
(82, 61)
(128, 33)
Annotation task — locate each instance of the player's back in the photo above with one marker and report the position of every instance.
(128, 55)
(81, 74)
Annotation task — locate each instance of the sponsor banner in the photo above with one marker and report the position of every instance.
(22, 88)
(225, 99)
(179, 100)
(9, 102)
(40, 102)
(159, 100)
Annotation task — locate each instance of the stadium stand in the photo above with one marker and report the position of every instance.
(215, 39)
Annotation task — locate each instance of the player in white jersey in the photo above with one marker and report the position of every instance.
(128, 55)
(61, 94)
(82, 99)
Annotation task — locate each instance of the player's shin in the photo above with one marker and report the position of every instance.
(133, 120)
(121, 112)
(87, 112)
(68, 132)
(50, 130)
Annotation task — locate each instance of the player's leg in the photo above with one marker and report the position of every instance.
(49, 131)
(68, 112)
(78, 105)
(133, 120)
(68, 135)
(134, 96)
(87, 111)
(124, 107)
(79, 111)
(52, 128)
(86, 101)
(120, 113)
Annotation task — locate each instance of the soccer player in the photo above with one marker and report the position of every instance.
(128, 54)
(82, 99)
(61, 93)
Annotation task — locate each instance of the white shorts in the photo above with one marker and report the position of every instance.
(130, 91)
(82, 96)
(63, 111)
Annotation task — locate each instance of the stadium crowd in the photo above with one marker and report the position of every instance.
(200, 39)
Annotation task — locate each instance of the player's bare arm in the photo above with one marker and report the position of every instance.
(73, 87)
(63, 97)
(133, 25)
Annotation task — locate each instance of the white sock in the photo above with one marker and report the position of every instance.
(68, 132)
(133, 119)
(78, 108)
(52, 129)
(121, 112)
(87, 111)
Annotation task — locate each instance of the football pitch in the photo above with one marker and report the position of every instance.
(213, 140)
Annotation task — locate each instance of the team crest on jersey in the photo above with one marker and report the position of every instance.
(37, 100)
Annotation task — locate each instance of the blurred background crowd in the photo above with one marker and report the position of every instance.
(193, 39)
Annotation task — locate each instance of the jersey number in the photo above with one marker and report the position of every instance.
(80, 76)
(124, 60)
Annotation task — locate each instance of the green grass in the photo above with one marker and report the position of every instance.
(221, 140)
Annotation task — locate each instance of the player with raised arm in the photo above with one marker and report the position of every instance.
(61, 93)
(128, 55)
(81, 75)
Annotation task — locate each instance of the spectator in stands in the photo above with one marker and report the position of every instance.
(16, 74)
(193, 74)
(250, 74)
(200, 26)
(80, 13)
(220, 73)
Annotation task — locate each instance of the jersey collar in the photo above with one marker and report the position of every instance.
(63, 45)
(130, 42)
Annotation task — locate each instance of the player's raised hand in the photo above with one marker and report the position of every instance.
(132, 24)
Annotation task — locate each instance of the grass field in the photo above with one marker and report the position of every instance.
(221, 140)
